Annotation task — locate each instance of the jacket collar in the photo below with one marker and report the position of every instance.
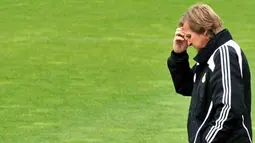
(219, 39)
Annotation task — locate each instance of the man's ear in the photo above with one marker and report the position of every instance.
(207, 34)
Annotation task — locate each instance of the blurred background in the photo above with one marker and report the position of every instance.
(94, 71)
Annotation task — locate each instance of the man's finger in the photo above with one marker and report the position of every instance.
(178, 38)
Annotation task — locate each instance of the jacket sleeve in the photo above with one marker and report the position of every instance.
(181, 73)
(227, 96)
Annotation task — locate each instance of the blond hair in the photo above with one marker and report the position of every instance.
(202, 18)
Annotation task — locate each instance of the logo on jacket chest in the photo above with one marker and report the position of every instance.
(203, 78)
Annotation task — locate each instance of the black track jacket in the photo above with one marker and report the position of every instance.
(220, 90)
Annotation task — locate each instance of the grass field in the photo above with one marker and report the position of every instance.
(94, 71)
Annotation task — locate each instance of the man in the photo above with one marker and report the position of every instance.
(219, 82)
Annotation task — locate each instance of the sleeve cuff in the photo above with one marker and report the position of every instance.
(180, 56)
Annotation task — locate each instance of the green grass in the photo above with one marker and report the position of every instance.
(76, 71)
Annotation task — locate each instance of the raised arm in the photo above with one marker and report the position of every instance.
(181, 73)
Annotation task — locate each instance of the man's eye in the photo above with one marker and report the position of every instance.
(188, 36)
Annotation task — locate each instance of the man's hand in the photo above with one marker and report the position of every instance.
(179, 43)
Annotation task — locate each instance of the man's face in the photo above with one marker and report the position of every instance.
(198, 41)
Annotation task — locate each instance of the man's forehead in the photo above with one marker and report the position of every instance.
(186, 27)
